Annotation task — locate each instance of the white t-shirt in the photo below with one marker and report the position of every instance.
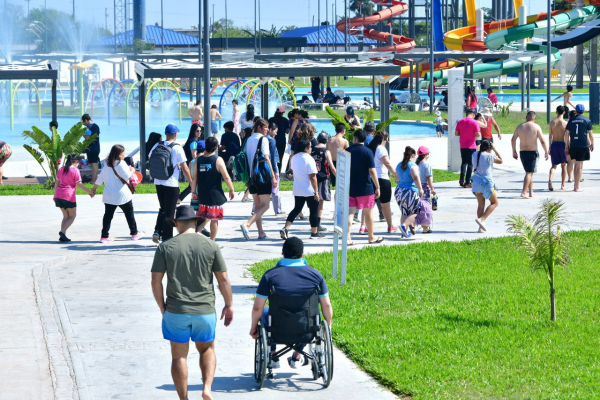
(252, 145)
(424, 171)
(380, 168)
(246, 124)
(177, 157)
(115, 192)
(303, 165)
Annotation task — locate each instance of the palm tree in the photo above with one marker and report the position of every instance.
(51, 148)
(369, 116)
(543, 241)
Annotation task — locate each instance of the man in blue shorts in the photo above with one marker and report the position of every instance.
(190, 260)
(291, 277)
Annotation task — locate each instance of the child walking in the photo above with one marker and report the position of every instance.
(483, 181)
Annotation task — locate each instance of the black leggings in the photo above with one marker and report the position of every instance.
(313, 206)
(109, 212)
(466, 167)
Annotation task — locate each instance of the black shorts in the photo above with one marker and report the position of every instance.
(529, 160)
(60, 203)
(579, 153)
(93, 158)
(385, 191)
(260, 189)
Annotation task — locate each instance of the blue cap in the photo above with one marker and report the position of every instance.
(201, 145)
(580, 108)
(171, 129)
(88, 132)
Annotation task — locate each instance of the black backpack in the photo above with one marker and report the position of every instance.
(161, 161)
(260, 174)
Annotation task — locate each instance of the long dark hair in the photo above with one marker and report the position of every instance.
(278, 117)
(250, 112)
(114, 154)
(153, 138)
(408, 153)
(420, 158)
(380, 136)
(71, 158)
(484, 146)
(471, 91)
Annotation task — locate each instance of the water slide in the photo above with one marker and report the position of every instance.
(583, 33)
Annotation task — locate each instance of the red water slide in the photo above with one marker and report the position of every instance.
(400, 43)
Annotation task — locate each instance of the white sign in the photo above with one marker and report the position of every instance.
(340, 224)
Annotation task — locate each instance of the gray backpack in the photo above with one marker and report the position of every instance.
(161, 161)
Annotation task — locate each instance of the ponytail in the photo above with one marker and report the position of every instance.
(408, 153)
(380, 136)
(420, 158)
(71, 158)
(484, 146)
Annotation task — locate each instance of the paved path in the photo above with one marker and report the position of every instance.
(79, 320)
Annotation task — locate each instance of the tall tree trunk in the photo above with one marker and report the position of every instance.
(552, 306)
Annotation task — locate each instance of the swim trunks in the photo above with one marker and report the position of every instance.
(529, 160)
(557, 153)
(579, 153)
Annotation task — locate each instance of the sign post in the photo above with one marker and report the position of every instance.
(340, 224)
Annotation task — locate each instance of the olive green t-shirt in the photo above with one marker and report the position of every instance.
(189, 261)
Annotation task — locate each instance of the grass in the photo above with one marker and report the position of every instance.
(468, 319)
(146, 188)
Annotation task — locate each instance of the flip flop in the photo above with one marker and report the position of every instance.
(550, 188)
(350, 244)
(245, 232)
(378, 240)
(263, 238)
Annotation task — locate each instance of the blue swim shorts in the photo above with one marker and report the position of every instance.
(181, 328)
(214, 128)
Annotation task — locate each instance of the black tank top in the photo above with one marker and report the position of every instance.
(209, 181)
(319, 155)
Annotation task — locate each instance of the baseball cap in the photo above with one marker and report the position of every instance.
(293, 247)
(370, 126)
(281, 109)
(201, 145)
(350, 110)
(323, 137)
(422, 151)
(580, 108)
(171, 129)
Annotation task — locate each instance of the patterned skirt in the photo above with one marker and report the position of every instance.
(5, 153)
(408, 201)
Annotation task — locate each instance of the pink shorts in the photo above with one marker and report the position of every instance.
(362, 201)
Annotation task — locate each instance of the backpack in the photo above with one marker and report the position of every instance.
(161, 161)
(425, 214)
(240, 165)
(261, 174)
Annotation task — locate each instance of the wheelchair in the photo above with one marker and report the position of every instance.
(293, 321)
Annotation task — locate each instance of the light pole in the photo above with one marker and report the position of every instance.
(162, 28)
(549, 65)
(73, 10)
(226, 28)
(259, 31)
(319, 24)
(346, 26)
(28, 23)
(255, 37)
(46, 25)
(212, 28)
(206, 65)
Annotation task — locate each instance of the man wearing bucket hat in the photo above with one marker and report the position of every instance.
(579, 140)
(190, 261)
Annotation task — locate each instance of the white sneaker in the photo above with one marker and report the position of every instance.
(274, 364)
(295, 363)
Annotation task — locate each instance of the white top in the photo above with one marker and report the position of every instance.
(252, 144)
(177, 157)
(303, 165)
(380, 168)
(424, 171)
(245, 124)
(115, 192)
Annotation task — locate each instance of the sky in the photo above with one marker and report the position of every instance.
(179, 13)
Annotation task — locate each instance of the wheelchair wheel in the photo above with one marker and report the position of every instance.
(261, 356)
(326, 358)
(314, 367)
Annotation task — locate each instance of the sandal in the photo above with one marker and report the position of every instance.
(350, 244)
(378, 240)
(429, 230)
(245, 232)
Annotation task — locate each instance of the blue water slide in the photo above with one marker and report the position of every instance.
(438, 27)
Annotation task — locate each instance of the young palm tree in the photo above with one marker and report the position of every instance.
(543, 241)
(369, 116)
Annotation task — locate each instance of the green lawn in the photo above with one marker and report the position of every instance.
(34, 190)
(468, 319)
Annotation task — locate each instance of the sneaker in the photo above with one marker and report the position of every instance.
(393, 229)
(468, 186)
(404, 232)
(63, 237)
(205, 233)
(321, 229)
(105, 240)
(294, 363)
(274, 364)
(283, 233)
(317, 235)
(356, 220)
(461, 183)
(381, 218)
(137, 236)
(363, 231)
(156, 237)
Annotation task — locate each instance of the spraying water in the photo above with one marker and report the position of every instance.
(77, 36)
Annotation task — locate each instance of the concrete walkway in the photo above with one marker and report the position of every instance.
(79, 320)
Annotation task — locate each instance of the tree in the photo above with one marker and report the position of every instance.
(369, 116)
(51, 148)
(543, 241)
(362, 8)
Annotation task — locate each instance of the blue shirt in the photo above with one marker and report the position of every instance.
(274, 153)
(406, 179)
(368, 139)
(292, 277)
(361, 160)
(232, 144)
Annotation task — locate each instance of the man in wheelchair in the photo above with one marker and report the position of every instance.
(292, 288)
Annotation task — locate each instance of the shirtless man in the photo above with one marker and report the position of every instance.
(566, 97)
(529, 133)
(214, 114)
(335, 143)
(196, 113)
(557, 147)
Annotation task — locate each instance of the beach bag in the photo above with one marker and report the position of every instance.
(425, 214)
(161, 161)
(240, 165)
(261, 173)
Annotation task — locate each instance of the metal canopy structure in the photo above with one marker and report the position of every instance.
(31, 72)
(265, 71)
(464, 55)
